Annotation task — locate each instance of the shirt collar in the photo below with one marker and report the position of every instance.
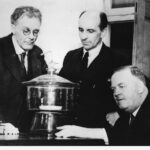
(18, 49)
(95, 51)
(136, 111)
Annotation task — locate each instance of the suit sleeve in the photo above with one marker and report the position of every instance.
(64, 70)
(44, 65)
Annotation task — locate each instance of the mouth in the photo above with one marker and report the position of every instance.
(85, 43)
(119, 99)
(30, 43)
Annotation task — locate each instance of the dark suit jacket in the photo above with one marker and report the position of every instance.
(95, 95)
(137, 133)
(12, 92)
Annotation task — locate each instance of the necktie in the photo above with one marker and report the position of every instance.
(23, 69)
(22, 56)
(132, 118)
(84, 62)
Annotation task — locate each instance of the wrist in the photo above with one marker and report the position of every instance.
(98, 133)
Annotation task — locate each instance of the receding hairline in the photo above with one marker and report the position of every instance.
(101, 15)
(133, 70)
(90, 12)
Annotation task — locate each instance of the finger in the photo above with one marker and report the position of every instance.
(62, 134)
(60, 127)
(10, 130)
(63, 127)
(14, 132)
(59, 134)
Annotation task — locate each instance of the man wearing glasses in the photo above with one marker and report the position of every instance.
(20, 60)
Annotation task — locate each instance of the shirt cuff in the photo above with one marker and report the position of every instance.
(104, 136)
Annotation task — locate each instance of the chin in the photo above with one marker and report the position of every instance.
(122, 105)
(87, 48)
(28, 47)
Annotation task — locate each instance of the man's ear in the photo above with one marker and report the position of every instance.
(103, 33)
(13, 28)
(140, 87)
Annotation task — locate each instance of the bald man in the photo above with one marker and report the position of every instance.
(91, 66)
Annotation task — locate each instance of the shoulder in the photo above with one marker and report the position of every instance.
(74, 52)
(107, 49)
(37, 50)
(6, 44)
(5, 39)
(106, 53)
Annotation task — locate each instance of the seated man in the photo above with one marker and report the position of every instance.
(131, 93)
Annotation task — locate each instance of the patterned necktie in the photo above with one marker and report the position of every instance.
(23, 69)
(85, 61)
(22, 56)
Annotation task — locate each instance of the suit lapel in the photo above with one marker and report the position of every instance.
(11, 59)
(34, 65)
(31, 65)
(99, 59)
(144, 109)
(77, 60)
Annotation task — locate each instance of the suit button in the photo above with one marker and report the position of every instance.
(94, 86)
(76, 118)
(80, 81)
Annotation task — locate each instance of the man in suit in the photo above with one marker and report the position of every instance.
(95, 96)
(14, 69)
(131, 93)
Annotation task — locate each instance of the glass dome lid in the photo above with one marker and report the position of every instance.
(50, 80)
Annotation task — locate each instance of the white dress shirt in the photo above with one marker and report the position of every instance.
(93, 53)
(134, 113)
(19, 51)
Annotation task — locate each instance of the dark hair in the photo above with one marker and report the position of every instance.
(103, 20)
(135, 71)
(25, 10)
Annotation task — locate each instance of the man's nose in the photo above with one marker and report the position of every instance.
(31, 36)
(116, 92)
(84, 36)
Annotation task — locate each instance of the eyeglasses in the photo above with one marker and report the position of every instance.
(27, 32)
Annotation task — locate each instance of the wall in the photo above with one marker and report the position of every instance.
(141, 44)
(59, 30)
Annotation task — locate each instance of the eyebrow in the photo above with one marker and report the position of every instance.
(90, 29)
(118, 85)
(36, 30)
(30, 29)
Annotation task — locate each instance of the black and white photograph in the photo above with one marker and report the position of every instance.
(75, 73)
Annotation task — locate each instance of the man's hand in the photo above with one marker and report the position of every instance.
(81, 132)
(71, 131)
(8, 129)
(112, 118)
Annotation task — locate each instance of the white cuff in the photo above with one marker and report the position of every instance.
(105, 137)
